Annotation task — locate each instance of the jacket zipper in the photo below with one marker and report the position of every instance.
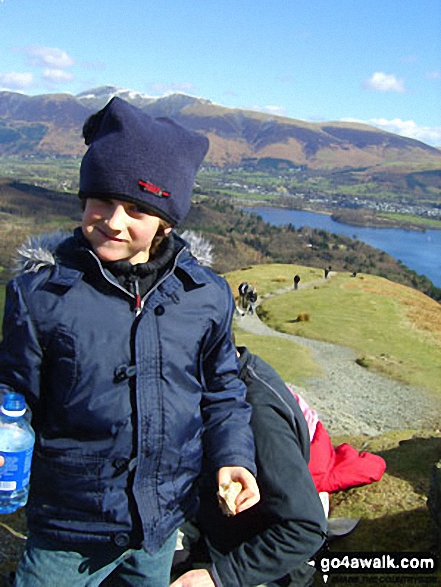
(139, 302)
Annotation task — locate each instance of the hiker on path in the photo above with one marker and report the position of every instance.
(251, 299)
(243, 288)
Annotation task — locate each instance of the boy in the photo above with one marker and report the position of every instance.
(120, 343)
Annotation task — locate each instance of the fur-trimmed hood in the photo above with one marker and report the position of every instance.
(40, 251)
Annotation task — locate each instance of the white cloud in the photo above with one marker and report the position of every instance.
(431, 135)
(52, 60)
(51, 57)
(16, 81)
(383, 82)
(409, 128)
(57, 76)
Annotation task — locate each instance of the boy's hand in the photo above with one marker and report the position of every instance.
(249, 494)
(196, 578)
(2, 461)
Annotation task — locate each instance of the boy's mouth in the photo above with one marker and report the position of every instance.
(110, 237)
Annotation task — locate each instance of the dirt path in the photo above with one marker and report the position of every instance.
(349, 398)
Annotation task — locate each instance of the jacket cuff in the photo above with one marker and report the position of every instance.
(236, 461)
(222, 569)
(215, 576)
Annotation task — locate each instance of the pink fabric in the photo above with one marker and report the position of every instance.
(311, 416)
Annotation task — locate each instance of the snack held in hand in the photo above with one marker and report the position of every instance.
(227, 497)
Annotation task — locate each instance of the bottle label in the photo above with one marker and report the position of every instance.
(15, 473)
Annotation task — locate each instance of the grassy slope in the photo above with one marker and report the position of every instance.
(292, 361)
(270, 277)
(375, 317)
(394, 329)
(393, 512)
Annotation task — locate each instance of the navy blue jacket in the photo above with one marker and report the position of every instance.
(122, 405)
(278, 536)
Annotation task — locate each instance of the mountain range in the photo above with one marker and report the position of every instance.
(50, 125)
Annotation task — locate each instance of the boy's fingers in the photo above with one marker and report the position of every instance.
(246, 499)
(249, 495)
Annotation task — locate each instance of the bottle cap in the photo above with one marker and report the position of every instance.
(14, 405)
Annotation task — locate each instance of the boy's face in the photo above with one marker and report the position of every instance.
(118, 230)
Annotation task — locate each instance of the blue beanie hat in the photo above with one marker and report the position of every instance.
(133, 157)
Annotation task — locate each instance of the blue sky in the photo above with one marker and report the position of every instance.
(374, 61)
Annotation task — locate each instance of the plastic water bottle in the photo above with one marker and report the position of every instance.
(16, 445)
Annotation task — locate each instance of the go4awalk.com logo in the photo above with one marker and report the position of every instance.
(377, 563)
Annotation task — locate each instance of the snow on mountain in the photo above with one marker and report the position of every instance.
(97, 98)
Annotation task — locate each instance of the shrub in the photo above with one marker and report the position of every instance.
(303, 317)
(363, 362)
(279, 279)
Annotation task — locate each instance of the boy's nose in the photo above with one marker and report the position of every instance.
(116, 217)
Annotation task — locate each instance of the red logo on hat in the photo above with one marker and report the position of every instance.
(147, 186)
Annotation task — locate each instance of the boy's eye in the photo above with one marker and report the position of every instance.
(135, 209)
(103, 201)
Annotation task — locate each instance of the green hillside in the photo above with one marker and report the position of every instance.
(394, 329)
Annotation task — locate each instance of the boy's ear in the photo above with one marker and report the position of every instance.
(168, 230)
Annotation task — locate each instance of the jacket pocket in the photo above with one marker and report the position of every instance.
(60, 365)
(67, 482)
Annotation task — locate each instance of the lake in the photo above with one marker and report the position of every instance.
(418, 250)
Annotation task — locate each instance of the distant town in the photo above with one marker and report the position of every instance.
(276, 190)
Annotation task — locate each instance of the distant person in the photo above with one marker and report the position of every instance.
(120, 342)
(296, 281)
(251, 299)
(243, 288)
(273, 541)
